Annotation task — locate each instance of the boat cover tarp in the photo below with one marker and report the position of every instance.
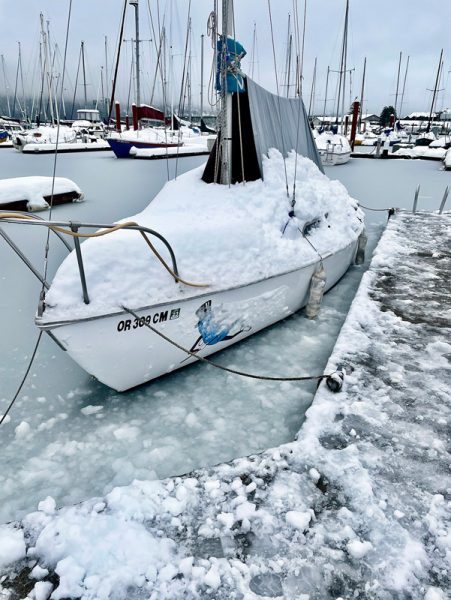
(280, 123)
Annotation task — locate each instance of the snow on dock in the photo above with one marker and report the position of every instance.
(48, 148)
(355, 507)
(34, 193)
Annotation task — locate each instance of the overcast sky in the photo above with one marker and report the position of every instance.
(378, 31)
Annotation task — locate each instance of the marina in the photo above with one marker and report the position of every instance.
(224, 372)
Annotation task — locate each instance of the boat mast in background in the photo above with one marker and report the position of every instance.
(135, 4)
(404, 87)
(201, 76)
(6, 86)
(435, 90)
(362, 92)
(397, 84)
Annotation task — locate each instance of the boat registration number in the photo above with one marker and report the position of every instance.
(161, 317)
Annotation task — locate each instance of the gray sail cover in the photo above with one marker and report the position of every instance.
(280, 123)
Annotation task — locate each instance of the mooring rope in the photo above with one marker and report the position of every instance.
(23, 378)
(221, 367)
(391, 211)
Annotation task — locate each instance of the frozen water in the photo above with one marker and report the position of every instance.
(73, 448)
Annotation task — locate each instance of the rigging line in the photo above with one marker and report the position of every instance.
(182, 97)
(47, 245)
(23, 378)
(221, 367)
(116, 67)
(238, 100)
(278, 99)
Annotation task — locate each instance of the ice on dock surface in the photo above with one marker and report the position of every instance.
(171, 152)
(357, 506)
(421, 152)
(35, 192)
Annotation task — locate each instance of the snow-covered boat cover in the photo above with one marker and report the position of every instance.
(45, 134)
(280, 123)
(223, 236)
(33, 189)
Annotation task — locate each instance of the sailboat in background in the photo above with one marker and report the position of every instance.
(155, 135)
(236, 245)
(334, 147)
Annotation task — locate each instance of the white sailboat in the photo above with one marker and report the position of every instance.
(250, 230)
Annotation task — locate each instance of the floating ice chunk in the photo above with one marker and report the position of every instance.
(126, 433)
(23, 430)
(39, 573)
(245, 510)
(212, 578)
(434, 593)
(47, 506)
(299, 520)
(42, 590)
(12, 545)
(91, 409)
(226, 519)
(314, 475)
(358, 549)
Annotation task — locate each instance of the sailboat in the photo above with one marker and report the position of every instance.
(334, 147)
(155, 136)
(231, 247)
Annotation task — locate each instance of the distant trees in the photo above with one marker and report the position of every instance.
(386, 113)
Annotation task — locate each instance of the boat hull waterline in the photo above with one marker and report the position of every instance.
(121, 352)
(121, 148)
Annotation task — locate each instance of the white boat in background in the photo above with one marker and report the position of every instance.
(447, 160)
(88, 124)
(241, 241)
(333, 148)
(44, 134)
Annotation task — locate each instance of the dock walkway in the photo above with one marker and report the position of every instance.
(356, 507)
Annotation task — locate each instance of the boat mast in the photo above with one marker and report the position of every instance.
(301, 64)
(362, 91)
(6, 85)
(325, 96)
(404, 86)
(434, 95)
(226, 98)
(84, 73)
(397, 84)
(342, 70)
(201, 75)
(312, 91)
(134, 3)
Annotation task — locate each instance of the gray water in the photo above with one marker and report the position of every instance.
(72, 438)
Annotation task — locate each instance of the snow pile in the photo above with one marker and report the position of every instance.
(34, 189)
(421, 152)
(355, 507)
(223, 236)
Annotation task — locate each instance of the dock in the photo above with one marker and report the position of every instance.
(65, 147)
(356, 506)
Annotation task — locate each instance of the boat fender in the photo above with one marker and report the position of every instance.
(360, 254)
(335, 381)
(317, 285)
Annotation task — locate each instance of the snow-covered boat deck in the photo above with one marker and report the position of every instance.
(49, 148)
(357, 506)
(197, 149)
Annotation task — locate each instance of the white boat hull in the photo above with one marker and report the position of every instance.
(334, 158)
(121, 352)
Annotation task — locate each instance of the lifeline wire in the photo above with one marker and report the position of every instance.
(23, 379)
(222, 368)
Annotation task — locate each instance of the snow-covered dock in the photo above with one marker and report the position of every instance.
(357, 506)
(48, 148)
